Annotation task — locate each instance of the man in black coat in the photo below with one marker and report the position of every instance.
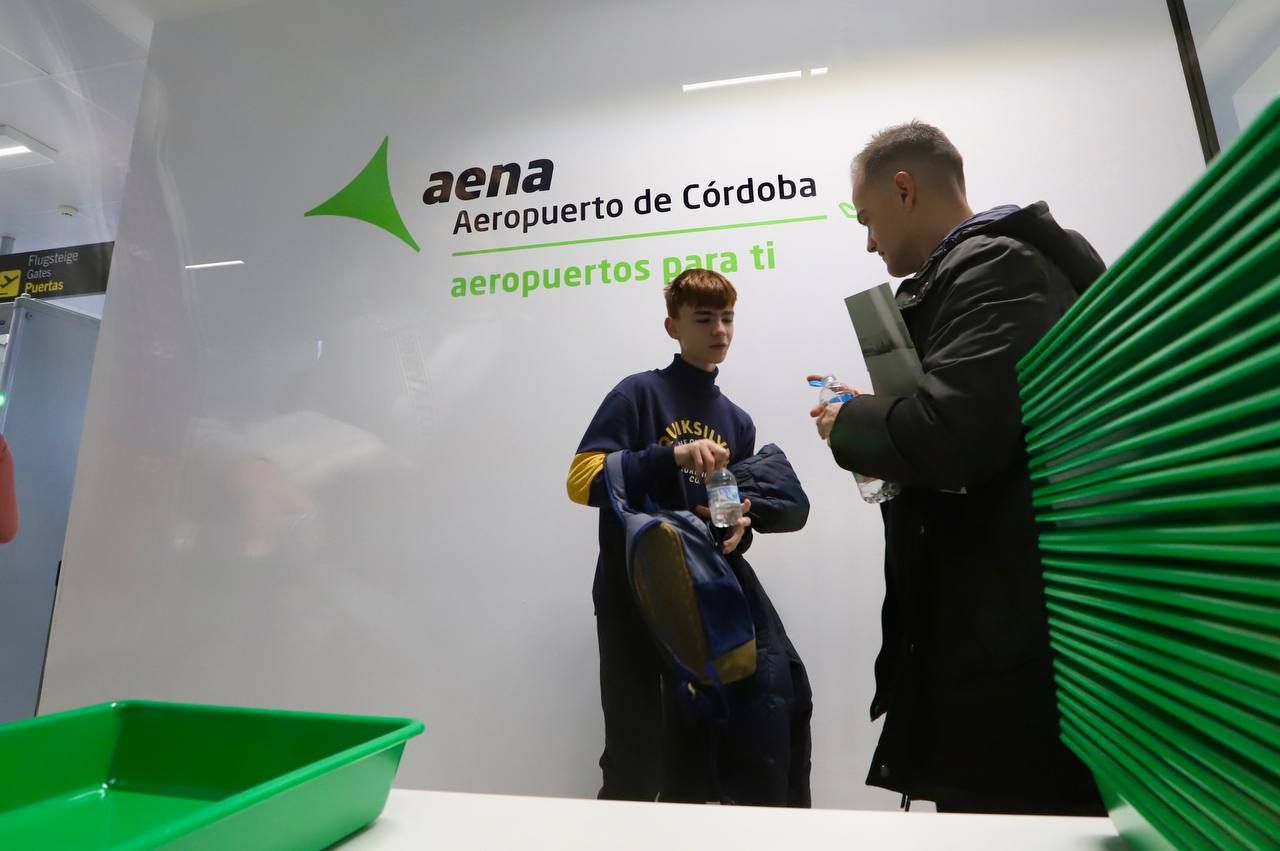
(964, 677)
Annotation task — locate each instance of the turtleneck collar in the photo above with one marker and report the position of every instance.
(688, 375)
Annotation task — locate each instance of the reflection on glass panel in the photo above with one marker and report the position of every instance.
(1238, 43)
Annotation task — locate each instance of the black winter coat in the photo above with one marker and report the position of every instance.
(964, 675)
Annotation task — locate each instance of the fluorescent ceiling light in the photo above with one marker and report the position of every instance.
(18, 150)
(818, 72)
(215, 265)
(738, 81)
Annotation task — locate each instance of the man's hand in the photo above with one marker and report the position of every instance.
(826, 414)
(701, 456)
(744, 522)
(826, 417)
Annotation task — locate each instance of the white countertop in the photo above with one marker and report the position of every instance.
(443, 821)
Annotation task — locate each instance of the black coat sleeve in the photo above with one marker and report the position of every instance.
(963, 424)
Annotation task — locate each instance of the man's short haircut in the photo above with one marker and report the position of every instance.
(699, 288)
(909, 147)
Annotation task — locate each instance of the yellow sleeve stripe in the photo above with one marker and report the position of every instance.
(582, 472)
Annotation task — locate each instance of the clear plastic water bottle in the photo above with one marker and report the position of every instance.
(872, 490)
(723, 499)
(832, 390)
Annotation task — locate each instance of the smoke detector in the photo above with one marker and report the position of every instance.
(67, 210)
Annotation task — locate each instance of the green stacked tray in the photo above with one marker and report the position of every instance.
(1152, 412)
(133, 775)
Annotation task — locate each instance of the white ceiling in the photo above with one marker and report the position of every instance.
(135, 17)
(71, 75)
(71, 80)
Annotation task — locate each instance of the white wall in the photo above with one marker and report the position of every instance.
(410, 549)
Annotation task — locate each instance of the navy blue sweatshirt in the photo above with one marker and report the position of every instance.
(646, 416)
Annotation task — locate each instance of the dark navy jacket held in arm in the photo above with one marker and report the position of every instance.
(965, 669)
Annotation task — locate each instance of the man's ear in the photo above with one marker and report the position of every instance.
(904, 184)
(672, 331)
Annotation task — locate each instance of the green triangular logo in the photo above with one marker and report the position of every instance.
(368, 198)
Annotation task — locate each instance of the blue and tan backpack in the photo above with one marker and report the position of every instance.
(686, 592)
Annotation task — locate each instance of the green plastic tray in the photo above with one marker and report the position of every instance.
(127, 776)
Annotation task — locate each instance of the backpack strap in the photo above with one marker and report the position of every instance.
(615, 485)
